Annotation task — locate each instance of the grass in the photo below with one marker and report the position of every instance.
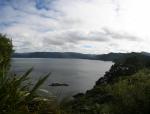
(16, 96)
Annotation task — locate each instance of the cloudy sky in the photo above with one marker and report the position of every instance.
(86, 26)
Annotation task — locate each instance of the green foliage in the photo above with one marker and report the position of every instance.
(129, 95)
(125, 66)
(5, 51)
(15, 95)
(38, 84)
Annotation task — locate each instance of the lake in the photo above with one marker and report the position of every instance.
(79, 74)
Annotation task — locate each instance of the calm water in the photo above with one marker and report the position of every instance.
(80, 74)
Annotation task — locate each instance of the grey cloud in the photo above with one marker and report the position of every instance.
(120, 36)
(22, 46)
(114, 45)
(98, 36)
(117, 6)
(52, 29)
(67, 22)
(50, 41)
(77, 36)
(74, 37)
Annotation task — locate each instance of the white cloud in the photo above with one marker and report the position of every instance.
(71, 25)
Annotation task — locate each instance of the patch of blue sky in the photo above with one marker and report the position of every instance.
(43, 4)
(6, 24)
(43, 30)
(87, 46)
(3, 2)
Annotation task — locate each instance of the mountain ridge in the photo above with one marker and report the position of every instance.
(105, 57)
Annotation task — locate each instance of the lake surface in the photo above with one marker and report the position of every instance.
(80, 74)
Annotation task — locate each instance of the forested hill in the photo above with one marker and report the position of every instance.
(124, 89)
(116, 57)
(105, 57)
(54, 55)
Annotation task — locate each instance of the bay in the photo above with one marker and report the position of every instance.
(79, 74)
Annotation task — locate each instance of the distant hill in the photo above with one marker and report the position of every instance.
(119, 57)
(111, 56)
(105, 57)
(54, 55)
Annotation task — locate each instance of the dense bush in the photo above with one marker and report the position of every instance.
(16, 96)
(5, 51)
(124, 89)
(129, 95)
(125, 66)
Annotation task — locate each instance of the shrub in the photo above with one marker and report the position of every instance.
(15, 95)
(128, 95)
(5, 51)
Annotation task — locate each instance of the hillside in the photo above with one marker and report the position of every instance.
(105, 57)
(124, 89)
(54, 55)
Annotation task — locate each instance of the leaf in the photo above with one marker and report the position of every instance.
(25, 75)
(39, 83)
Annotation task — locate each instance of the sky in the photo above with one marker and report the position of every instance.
(84, 26)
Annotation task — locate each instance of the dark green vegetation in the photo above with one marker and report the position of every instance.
(124, 66)
(124, 89)
(5, 51)
(16, 95)
(128, 95)
(116, 57)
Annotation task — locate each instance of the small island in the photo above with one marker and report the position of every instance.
(58, 84)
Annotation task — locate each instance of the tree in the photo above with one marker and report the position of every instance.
(16, 96)
(5, 51)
